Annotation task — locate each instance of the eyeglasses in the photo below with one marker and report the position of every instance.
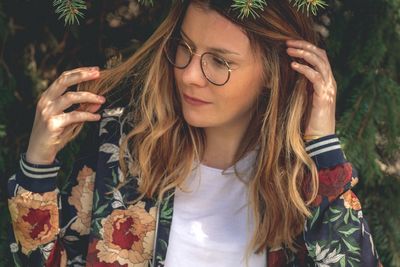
(216, 70)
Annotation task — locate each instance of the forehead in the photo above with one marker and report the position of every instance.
(207, 28)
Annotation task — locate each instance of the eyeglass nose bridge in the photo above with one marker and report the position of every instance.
(203, 63)
(192, 53)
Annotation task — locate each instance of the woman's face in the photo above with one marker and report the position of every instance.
(229, 105)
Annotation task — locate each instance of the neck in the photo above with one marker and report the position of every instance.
(222, 144)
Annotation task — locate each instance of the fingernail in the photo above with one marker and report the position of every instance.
(94, 68)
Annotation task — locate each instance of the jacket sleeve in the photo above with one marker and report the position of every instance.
(337, 234)
(47, 223)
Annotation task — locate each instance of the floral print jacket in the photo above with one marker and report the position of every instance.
(89, 221)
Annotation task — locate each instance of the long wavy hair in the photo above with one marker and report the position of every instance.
(163, 147)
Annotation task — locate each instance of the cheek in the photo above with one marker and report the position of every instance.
(178, 82)
(240, 102)
(243, 94)
(176, 76)
(231, 102)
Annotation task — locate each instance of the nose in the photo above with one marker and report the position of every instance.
(192, 74)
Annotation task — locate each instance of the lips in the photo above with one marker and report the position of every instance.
(195, 99)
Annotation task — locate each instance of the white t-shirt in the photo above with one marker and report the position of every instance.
(210, 224)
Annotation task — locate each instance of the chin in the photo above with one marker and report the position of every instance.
(195, 123)
(195, 120)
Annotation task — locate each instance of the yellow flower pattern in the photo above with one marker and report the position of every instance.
(34, 217)
(81, 198)
(128, 236)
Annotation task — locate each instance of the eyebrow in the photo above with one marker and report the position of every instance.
(215, 49)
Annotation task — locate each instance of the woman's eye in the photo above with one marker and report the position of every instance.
(219, 61)
(182, 47)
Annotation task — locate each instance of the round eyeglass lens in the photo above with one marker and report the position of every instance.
(178, 53)
(215, 68)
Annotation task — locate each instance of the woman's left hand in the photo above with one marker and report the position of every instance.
(322, 118)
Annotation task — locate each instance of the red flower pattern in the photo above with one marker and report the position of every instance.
(34, 217)
(40, 221)
(332, 182)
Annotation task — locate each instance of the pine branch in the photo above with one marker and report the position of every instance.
(247, 7)
(309, 4)
(146, 2)
(70, 10)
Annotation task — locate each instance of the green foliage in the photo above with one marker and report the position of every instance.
(248, 7)
(147, 2)
(7, 85)
(4, 229)
(70, 10)
(365, 40)
(307, 4)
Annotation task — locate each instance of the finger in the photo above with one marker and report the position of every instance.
(70, 98)
(89, 107)
(311, 58)
(67, 79)
(312, 75)
(302, 44)
(81, 69)
(65, 119)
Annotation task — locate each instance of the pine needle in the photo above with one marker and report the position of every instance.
(70, 10)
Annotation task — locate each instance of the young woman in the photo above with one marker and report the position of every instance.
(213, 147)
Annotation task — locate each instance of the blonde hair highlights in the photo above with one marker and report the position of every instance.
(163, 147)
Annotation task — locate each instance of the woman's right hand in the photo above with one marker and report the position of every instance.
(52, 124)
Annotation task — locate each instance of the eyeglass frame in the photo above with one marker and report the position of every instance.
(201, 60)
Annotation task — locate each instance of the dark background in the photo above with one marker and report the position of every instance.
(362, 40)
